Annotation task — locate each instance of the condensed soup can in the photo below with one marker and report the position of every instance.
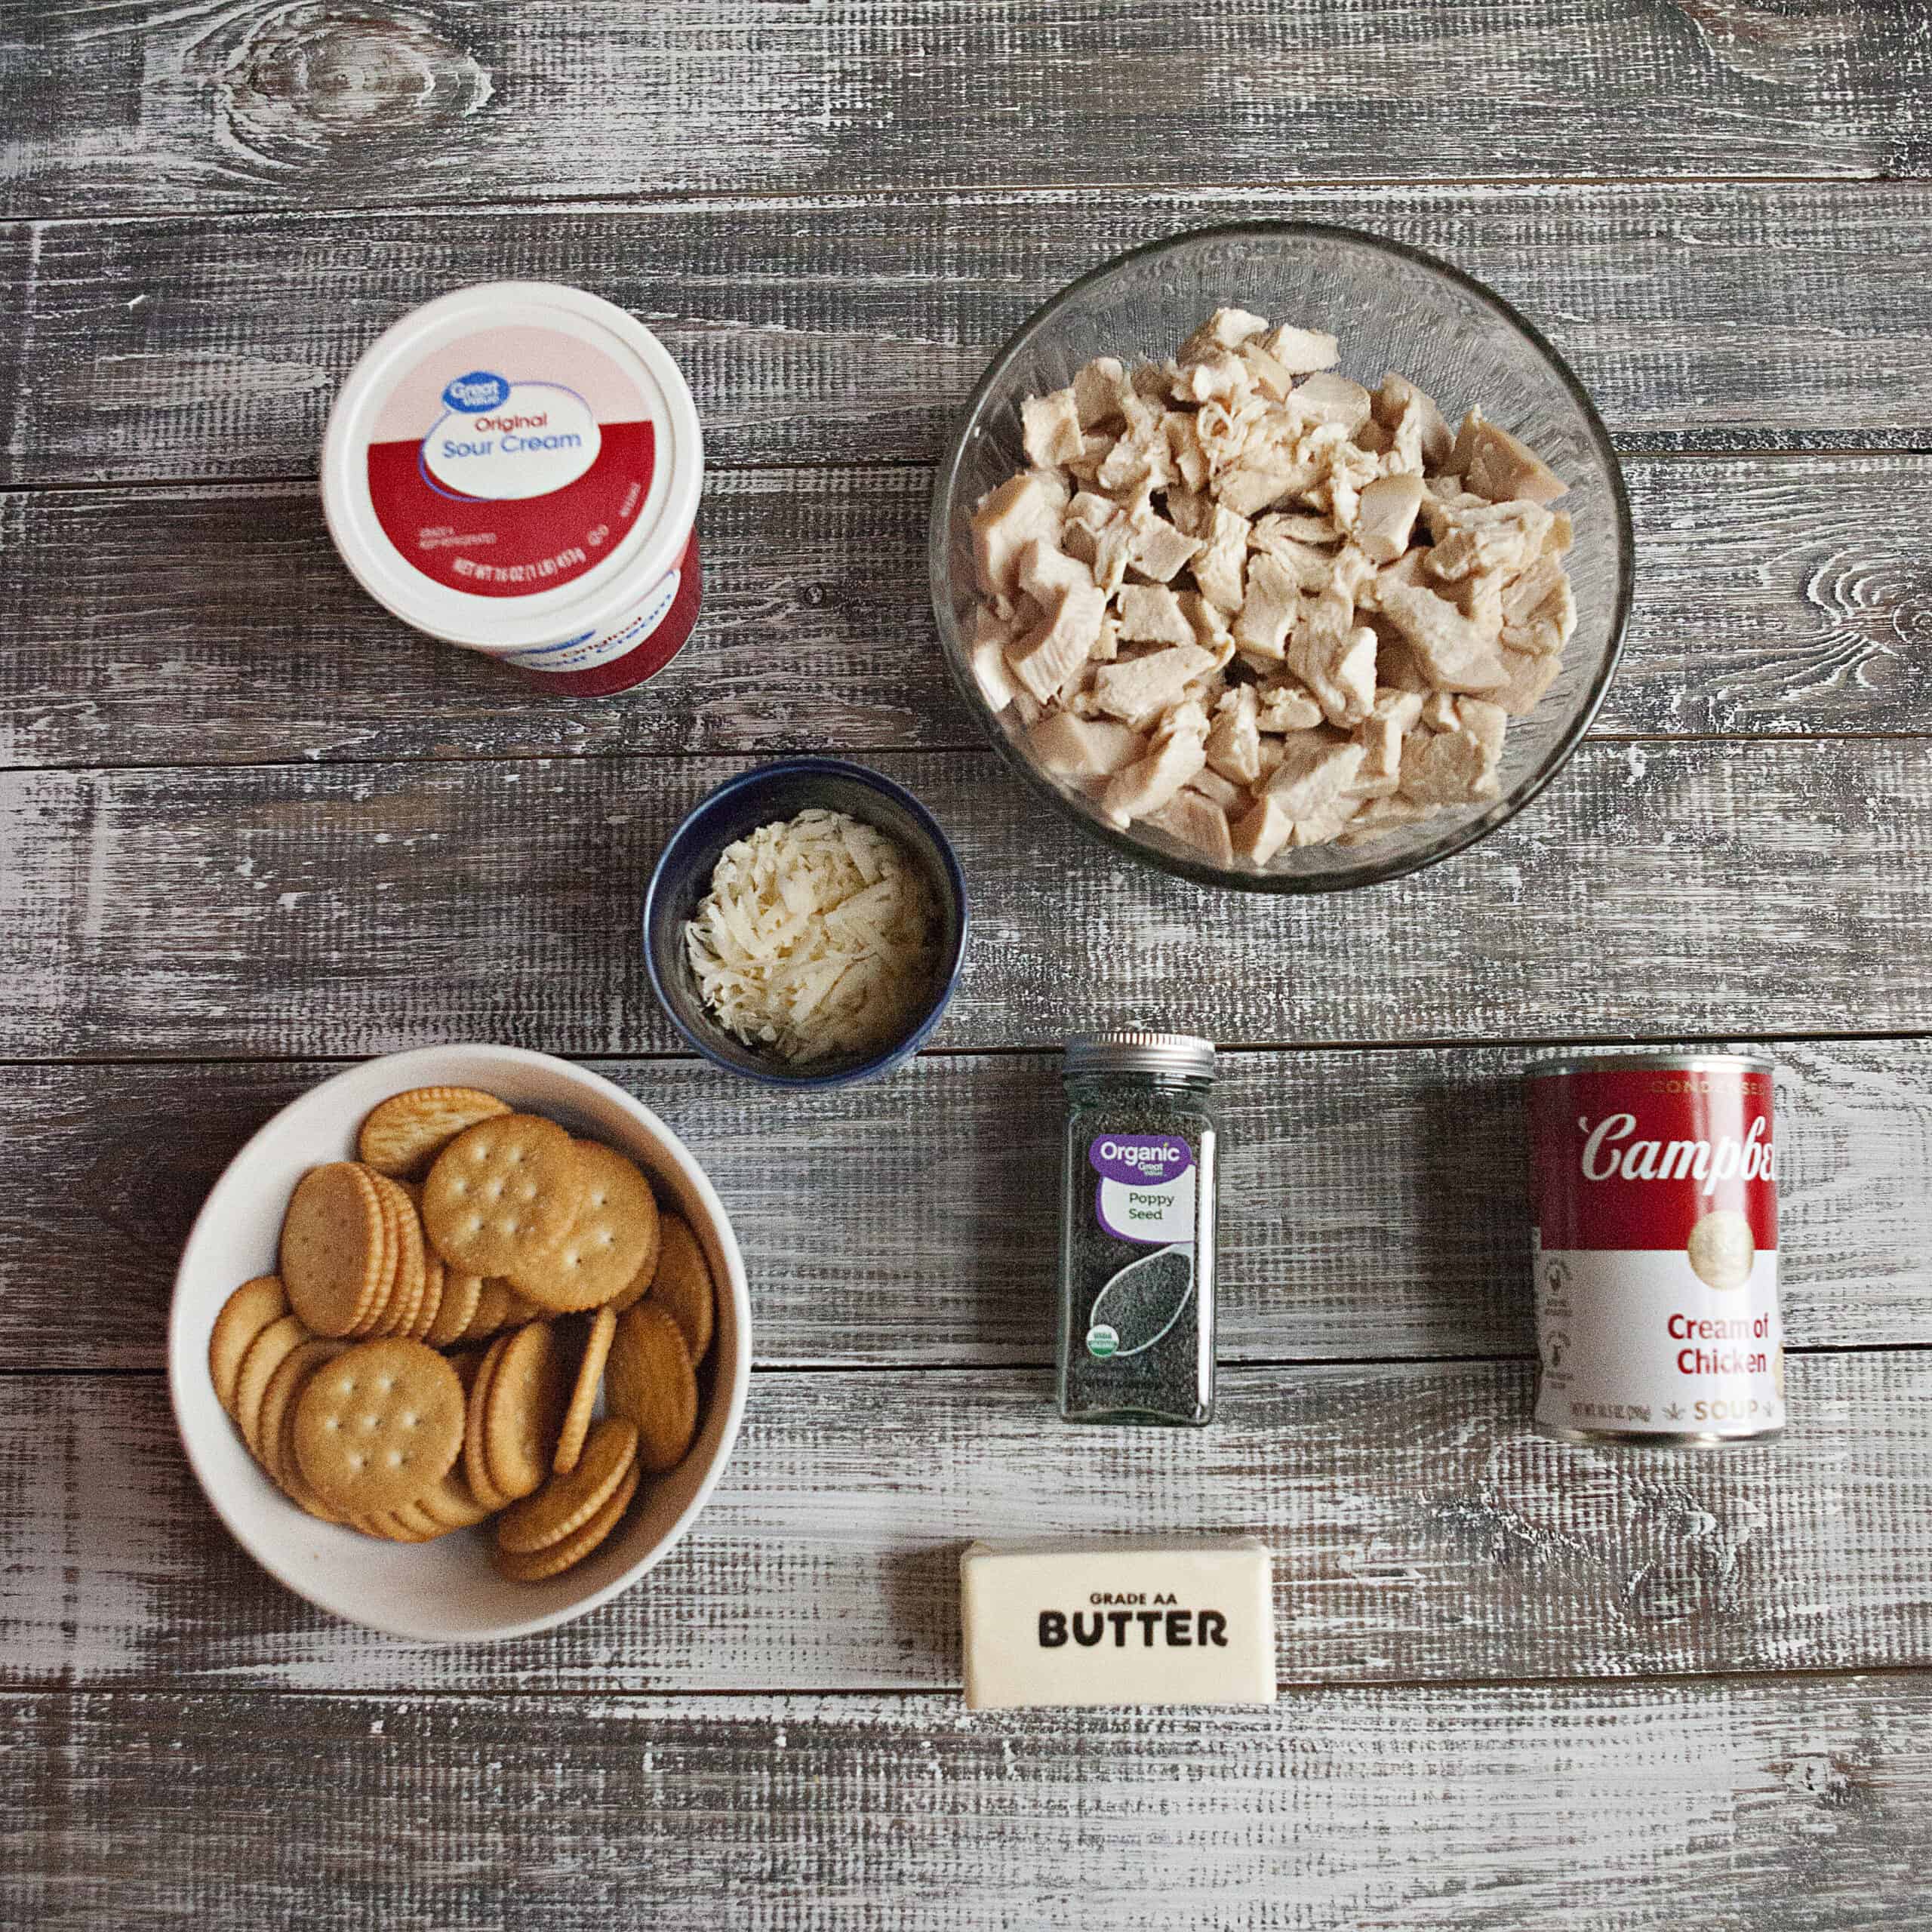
(515, 468)
(1655, 1249)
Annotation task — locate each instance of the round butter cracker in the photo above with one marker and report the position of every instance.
(405, 1133)
(649, 1379)
(555, 1558)
(379, 1426)
(503, 1193)
(614, 1234)
(243, 1315)
(334, 1251)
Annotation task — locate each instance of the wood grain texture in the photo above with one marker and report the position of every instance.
(245, 103)
(345, 909)
(1700, 317)
(1777, 595)
(1587, 1809)
(1374, 1204)
(1420, 1532)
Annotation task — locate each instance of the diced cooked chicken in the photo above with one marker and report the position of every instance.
(1071, 747)
(1254, 484)
(1046, 573)
(1448, 768)
(1303, 351)
(1270, 610)
(1317, 770)
(1334, 657)
(1396, 593)
(1539, 609)
(1051, 429)
(1527, 675)
(1179, 751)
(1151, 613)
(1287, 706)
(1331, 398)
(1493, 464)
(1473, 536)
(1312, 568)
(1454, 654)
(1385, 514)
(1098, 391)
(990, 672)
(1159, 549)
(1196, 821)
(1234, 741)
(1024, 508)
(1261, 831)
(1137, 689)
(1225, 329)
(1225, 791)
(1220, 565)
(1047, 655)
(1398, 401)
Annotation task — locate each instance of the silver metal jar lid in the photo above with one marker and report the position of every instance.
(1126, 1049)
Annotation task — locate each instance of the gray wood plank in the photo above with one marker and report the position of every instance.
(1775, 596)
(153, 107)
(1353, 1226)
(1701, 316)
(1672, 891)
(1420, 1533)
(1590, 1808)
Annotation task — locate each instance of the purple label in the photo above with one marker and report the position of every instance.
(1139, 1159)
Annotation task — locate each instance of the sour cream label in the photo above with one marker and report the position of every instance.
(512, 461)
(540, 438)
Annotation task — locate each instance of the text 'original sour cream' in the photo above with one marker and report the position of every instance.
(515, 468)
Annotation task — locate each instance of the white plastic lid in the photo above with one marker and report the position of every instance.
(511, 463)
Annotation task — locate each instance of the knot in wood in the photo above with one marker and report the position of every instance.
(306, 80)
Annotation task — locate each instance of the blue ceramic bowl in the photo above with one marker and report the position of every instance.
(682, 877)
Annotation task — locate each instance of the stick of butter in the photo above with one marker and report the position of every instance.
(1147, 1620)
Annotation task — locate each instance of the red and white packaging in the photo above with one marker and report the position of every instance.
(1655, 1251)
(515, 468)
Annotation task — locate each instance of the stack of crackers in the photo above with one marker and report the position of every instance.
(450, 1308)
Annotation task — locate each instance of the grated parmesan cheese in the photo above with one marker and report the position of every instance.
(819, 936)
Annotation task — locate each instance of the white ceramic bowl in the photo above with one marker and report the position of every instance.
(445, 1592)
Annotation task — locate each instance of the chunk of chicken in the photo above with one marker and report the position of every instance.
(1220, 565)
(1331, 398)
(1071, 747)
(1225, 329)
(1261, 831)
(1151, 613)
(1448, 768)
(1312, 568)
(1493, 464)
(1287, 706)
(1385, 514)
(1196, 821)
(1270, 609)
(1539, 609)
(1398, 400)
(1480, 537)
(1024, 508)
(1225, 792)
(1159, 550)
(1138, 690)
(1099, 392)
(1046, 573)
(1456, 656)
(1051, 429)
(1047, 655)
(1527, 675)
(1334, 657)
(1179, 751)
(1234, 741)
(1303, 351)
(1315, 775)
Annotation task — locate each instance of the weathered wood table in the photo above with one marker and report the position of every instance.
(252, 828)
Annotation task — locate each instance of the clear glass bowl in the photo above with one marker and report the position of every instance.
(1392, 308)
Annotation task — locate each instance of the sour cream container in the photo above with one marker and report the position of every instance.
(515, 468)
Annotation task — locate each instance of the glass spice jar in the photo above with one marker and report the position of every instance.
(1137, 1222)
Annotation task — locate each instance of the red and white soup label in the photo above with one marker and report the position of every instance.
(511, 461)
(1656, 1250)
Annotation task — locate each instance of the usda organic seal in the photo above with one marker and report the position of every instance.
(1101, 1340)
